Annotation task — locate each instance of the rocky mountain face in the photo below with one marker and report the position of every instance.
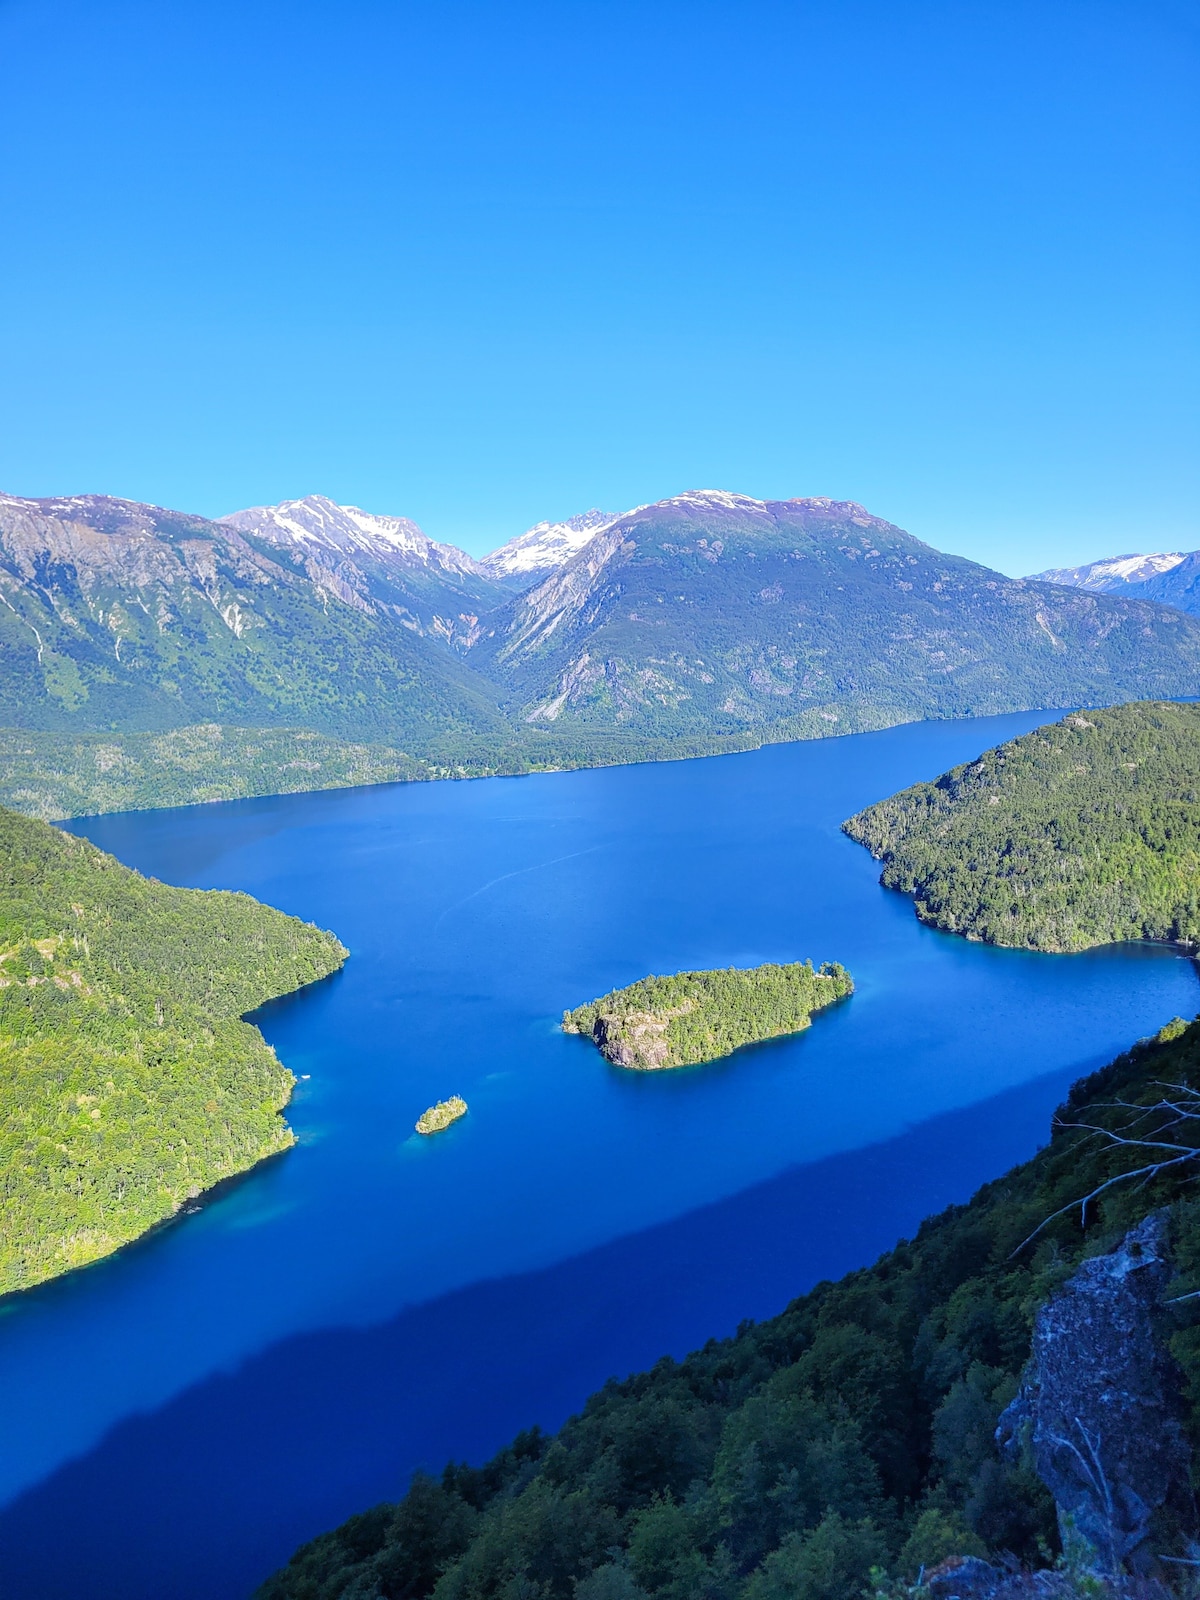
(532, 556)
(386, 562)
(716, 611)
(120, 616)
(1114, 575)
(1100, 1410)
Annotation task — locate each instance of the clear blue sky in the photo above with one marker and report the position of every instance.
(484, 263)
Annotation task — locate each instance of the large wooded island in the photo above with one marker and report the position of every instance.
(691, 1017)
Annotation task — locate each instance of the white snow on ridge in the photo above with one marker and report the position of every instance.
(715, 497)
(547, 544)
(1114, 572)
(316, 521)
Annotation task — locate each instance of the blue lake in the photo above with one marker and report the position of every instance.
(176, 1419)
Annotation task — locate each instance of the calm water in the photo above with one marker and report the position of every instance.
(175, 1419)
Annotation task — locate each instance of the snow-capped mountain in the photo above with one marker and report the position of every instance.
(386, 562)
(1113, 574)
(316, 523)
(527, 559)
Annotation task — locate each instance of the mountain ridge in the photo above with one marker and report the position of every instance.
(1169, 578)
(133, 618)
(535, 553)
(1112, 574)
(716, 608)
(704, 622)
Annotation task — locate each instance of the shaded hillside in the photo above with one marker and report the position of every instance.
(122, 617)
(1077, 834)
(717, 612)
(1178, 586)
(853, 1431)
(128, 1084)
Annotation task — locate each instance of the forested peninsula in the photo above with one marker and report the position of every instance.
(1078, 834)
(128, 1082)
(688, 1018)
(839, 1448)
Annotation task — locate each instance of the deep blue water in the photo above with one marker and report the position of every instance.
(177, 1418)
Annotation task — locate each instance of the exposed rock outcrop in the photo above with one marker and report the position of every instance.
(1099, 1408)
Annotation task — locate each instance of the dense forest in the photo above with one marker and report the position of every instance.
(840, 1447)
(690, 1017)
(128, 1082)
(1078, 834)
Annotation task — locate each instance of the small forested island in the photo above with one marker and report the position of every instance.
(442, 1115)
(691, 1017)
(128, 1082)
(1081, 833)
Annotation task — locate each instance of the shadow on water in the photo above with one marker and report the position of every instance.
(202, 1498)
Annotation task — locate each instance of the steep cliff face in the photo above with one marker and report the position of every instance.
(1100, 1410)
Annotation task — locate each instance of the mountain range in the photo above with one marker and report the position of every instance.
(706, 621)
(1171, 577)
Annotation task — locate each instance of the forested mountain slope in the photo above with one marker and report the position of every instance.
(720, 613)
(1078, 834)
(55, 775)
(853, 1431)
(127, 1081)
(118, 617)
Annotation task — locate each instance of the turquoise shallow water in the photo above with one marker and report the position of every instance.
(474, 913)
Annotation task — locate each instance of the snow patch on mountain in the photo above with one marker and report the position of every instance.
(546, 545)
(714, 498)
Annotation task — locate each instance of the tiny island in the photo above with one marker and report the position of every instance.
(442, 1115)
(688, 1018)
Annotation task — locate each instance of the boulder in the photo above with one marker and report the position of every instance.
(1099, 1406)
